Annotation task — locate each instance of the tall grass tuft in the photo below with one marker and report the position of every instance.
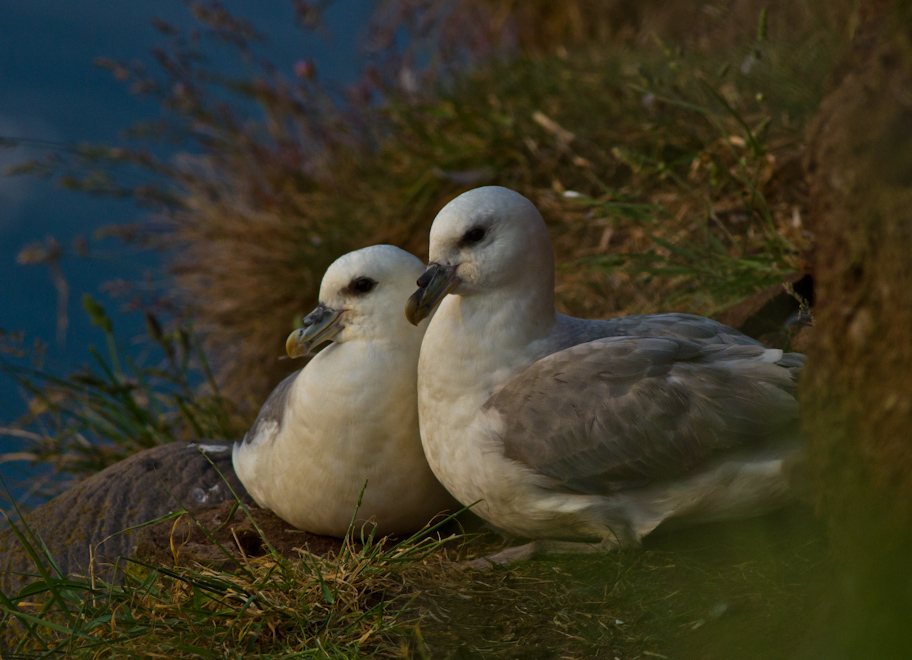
(688, 150)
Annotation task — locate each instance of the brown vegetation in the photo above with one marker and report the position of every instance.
(671, 121)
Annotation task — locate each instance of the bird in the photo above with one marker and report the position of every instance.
(348, 420)
(585, 435)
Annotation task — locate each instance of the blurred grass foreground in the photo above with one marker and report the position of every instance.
(665, 144)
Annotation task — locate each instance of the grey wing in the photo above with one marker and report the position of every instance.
(626, 411)
(273, 411)
(698, 329)
(141, 488)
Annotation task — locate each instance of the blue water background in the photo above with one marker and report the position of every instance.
(50, 90)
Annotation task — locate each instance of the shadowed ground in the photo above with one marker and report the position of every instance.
(747, 590)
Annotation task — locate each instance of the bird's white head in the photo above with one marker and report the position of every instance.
(489, 239)
(360, 299)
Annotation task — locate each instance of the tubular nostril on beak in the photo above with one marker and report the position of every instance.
(428, 275)
(316, 316)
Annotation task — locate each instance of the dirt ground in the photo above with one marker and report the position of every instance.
(222, 534)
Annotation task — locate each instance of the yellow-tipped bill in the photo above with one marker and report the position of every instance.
(437, 281)
(320, 326)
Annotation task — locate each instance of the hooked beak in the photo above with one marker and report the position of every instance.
(437, 281)
(321, 325)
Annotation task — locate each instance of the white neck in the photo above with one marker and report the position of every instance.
(494, 333)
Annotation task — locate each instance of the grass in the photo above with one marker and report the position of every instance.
(697, 591)
(743, 590)
(357, 603)
(746, 590)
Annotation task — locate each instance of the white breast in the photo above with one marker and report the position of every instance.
(350, 420)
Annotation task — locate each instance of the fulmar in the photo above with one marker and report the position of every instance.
(567, 430)
(348, 420)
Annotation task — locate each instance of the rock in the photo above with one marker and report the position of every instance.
(93, 518)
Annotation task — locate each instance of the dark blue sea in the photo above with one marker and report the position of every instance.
(51, 93)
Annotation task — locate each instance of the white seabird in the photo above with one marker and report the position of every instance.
(585, 430)
(350, 416)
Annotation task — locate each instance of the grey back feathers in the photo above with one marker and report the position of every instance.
(698, 329)
(625, 411)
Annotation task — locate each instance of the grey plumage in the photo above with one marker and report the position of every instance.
(701, 330)
(622, 412)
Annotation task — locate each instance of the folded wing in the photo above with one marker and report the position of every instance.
(622, 412)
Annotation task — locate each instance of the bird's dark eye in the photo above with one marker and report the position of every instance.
(362, 285)
(474, 235)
